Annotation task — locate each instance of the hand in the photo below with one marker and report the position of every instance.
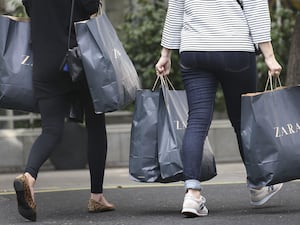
(270, 60)
(163, 66)
(93, 15)
(274, 67)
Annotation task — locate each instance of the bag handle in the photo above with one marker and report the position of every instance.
(155, 83)
(70, 23)
(270, 82)
(99, 12)
(165, 81)
(166, 85)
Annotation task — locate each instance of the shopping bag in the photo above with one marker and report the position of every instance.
(270, 130)
(143, 156)
(172, 121)
(16, 91)
(111, 76)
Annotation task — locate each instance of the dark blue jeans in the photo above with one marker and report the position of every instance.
(201, 73)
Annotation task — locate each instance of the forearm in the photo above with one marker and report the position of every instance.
(266, 49)
(270, 60)
(90, 6)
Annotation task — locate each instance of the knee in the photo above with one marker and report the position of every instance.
(54, 132)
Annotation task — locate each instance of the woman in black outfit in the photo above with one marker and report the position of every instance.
(53, 90)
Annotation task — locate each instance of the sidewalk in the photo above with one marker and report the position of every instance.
(114, 178)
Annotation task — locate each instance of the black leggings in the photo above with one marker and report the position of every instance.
(53, 112)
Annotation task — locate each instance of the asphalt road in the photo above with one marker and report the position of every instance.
(227, 201)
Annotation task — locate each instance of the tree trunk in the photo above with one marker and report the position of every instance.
(2, 6)
(293, 68)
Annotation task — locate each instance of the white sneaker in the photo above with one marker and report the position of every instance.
(193, 207)
(261, 196)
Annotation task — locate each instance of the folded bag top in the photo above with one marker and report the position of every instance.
(111, 75)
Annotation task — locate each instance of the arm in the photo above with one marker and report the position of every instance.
(90, 6)
(270, 60)
(163, 65)
(258, 18)
(171, 36)
(27, 5)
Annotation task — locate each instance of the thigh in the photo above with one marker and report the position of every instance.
(200, 85)
(53, 111)
(92, 120)
(237, 78)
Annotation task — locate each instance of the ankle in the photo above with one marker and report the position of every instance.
(194, 192)
(96, 196)
(30, 179)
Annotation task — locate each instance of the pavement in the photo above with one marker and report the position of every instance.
(62, 196)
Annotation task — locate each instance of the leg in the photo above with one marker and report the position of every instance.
(53, 111)
(97, 151)
(235, 82)
(200, 86)
(238, 77)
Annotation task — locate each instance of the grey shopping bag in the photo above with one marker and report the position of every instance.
(143, 157)
(111, 76)
(173, 114)
(16, 91)
(270, 130)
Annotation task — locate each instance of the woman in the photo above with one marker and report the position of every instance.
(54, 91)
(216, 40)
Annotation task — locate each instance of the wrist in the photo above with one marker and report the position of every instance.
(166, 53)
(269, 56)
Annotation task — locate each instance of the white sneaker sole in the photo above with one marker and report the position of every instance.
(264, 200)
(190, 212)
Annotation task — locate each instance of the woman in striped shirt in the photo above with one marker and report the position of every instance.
(216, 40)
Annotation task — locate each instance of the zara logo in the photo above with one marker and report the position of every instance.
(288, 129)
(26, 60)
(117, 53)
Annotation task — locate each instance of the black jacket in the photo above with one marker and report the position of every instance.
(49, 31)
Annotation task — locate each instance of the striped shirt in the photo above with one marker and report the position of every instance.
(216, 25)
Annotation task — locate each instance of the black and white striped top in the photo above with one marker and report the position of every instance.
(216, 25)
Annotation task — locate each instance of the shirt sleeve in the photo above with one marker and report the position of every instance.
(258, 17)
(171, 36)
(90, 6)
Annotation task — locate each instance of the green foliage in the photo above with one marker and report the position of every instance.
(283, 22)
(19, 10)
(141, 36)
